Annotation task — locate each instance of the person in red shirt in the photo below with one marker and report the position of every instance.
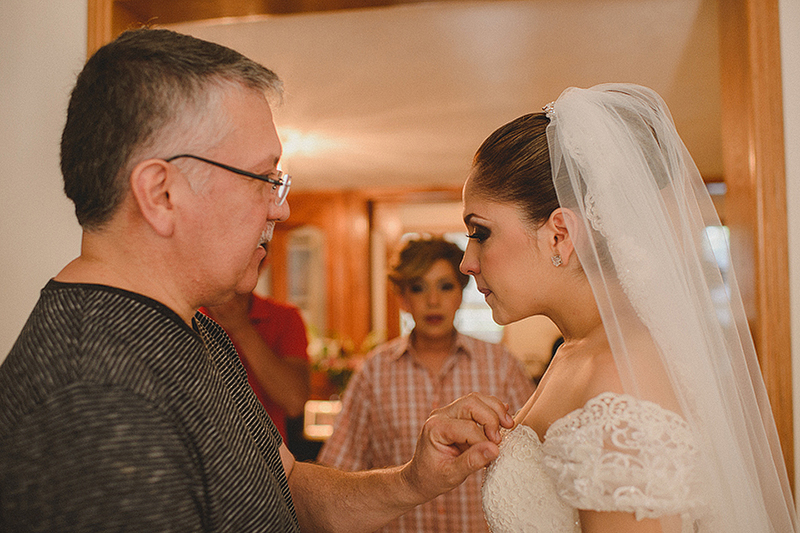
(271, 339)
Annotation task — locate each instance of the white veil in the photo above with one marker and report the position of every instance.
(676, 326)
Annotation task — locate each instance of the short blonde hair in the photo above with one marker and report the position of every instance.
(419, 255)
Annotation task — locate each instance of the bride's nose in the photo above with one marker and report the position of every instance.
(469, 264)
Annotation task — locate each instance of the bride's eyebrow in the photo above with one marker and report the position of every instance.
(468, 218)
(474, 219)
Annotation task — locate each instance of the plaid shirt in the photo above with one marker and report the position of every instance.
(389, 399)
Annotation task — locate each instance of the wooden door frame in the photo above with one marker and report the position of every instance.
(755, 202)
(753, 155)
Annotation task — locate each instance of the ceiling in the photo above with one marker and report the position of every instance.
(402, 96)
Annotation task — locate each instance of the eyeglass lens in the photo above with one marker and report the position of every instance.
(283, 189)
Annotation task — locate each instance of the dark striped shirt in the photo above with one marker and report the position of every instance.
(115, 415)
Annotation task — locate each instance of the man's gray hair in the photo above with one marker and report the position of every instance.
(148, 90)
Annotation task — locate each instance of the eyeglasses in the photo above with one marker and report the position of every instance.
(280, 181)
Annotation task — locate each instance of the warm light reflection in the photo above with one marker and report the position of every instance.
(303, 143)
(319, 418)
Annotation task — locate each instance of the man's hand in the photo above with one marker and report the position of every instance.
(456, 441)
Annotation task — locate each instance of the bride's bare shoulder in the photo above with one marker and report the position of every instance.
(604, 376)
(577, 374)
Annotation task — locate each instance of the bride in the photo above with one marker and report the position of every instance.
(652, 416)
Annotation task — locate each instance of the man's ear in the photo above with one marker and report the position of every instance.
(560, 239)
(151, 183)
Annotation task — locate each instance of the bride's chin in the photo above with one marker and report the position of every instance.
(504, 317)
(500, 318)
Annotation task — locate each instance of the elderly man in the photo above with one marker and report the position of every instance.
(121, 407)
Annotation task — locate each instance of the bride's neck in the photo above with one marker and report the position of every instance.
(576, 314)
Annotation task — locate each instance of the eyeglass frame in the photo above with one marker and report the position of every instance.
(283, 181)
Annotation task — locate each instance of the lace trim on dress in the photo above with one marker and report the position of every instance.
(518, 496)
(619, 453)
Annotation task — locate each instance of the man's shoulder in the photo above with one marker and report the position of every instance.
(87, 325)
(79, 336)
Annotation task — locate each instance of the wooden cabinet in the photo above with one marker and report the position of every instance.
(342, 221)
(349, 224)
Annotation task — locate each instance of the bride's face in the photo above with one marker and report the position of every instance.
(504, 257)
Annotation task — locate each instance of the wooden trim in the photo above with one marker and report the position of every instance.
(98, 30)
(753, 161)
(353, 311)
(108, 18)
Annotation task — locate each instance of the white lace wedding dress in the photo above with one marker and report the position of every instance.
(616, 453)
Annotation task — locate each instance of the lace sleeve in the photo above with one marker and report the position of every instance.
(618, 453)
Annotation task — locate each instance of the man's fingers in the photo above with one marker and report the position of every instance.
(486, 411)
(473, 459)
(456, 441)
(477, 457)
(455, 435)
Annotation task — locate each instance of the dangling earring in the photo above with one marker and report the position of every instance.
(556, 259)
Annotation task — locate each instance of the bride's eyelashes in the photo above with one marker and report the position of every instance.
(479, 234)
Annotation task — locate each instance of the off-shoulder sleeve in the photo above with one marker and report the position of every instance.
(618, 453)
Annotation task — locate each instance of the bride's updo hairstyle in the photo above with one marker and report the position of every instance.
(513, 165)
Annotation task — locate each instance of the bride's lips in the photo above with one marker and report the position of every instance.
(484, 291)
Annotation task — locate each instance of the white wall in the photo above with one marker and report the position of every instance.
(42, 48)
(790, 60)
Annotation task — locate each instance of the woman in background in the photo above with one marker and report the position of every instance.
(403, 380)
(652, 415)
